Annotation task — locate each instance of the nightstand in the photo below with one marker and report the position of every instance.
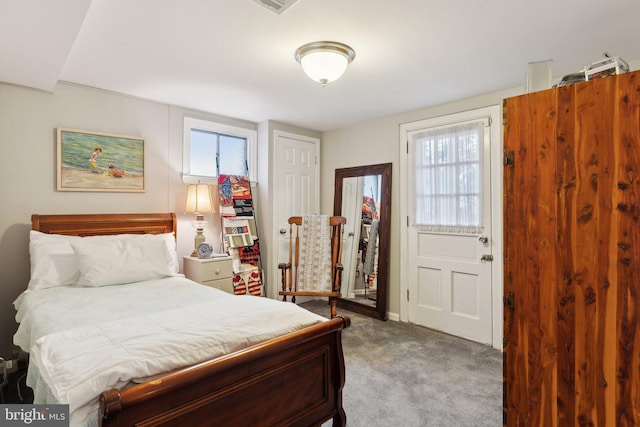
(215, 272)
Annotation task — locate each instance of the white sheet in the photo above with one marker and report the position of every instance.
(79, 350)
(50, 310)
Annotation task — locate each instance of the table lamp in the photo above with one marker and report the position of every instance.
(198, 202)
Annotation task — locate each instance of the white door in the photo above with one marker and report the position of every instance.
(296, 189)
(449, 235)
(352, 191)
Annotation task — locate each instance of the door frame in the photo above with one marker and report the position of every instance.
(277, 134)
(494, 112)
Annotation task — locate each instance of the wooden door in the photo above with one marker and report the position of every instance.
(572, 255)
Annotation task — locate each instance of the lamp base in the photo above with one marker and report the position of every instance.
(197, 240)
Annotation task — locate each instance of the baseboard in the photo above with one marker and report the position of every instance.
(393, 316)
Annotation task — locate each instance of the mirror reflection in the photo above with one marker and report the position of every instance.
(362, 196)
(360, 205)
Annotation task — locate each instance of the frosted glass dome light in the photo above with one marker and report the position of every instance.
(325, 61)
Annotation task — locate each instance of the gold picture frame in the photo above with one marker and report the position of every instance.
(93, 161)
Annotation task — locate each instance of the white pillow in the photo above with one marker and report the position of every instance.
(54, 263)
(170, 240)
(114, 262)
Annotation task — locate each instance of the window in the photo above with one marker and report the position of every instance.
(448, 178)
(211, 149)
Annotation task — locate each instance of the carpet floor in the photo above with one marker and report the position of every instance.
(398, 374)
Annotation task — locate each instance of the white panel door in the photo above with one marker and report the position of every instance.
(352, 190)
(450, 273)
(296, 188)
(453, 285)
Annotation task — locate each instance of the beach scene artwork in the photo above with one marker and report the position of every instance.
(90, 161)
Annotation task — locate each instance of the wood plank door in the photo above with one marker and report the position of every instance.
(572, 255)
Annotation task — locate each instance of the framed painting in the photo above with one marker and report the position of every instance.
(91, 161)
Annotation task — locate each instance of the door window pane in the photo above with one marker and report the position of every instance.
(448, 177)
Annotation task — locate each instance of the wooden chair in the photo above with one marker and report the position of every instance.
(291, 285)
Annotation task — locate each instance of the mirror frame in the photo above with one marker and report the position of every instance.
(383, 169)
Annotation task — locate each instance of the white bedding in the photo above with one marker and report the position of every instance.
(86, 340)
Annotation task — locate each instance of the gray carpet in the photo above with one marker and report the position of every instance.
(404, 375)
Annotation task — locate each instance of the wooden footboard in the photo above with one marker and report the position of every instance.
(293, 380)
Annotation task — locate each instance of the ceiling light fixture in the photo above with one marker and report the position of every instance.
(324, 62)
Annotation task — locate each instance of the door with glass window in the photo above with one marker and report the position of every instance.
(450, 235)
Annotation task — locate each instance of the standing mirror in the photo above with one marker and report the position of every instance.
(363, 196)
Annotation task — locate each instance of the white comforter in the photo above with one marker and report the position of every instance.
(86, 340)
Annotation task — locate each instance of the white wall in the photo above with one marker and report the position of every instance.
(28, 122)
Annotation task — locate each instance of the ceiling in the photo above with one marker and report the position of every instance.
(235, 57)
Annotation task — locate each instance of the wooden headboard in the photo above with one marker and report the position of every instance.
(105, 224)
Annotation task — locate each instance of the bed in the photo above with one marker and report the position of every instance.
(294, 378)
